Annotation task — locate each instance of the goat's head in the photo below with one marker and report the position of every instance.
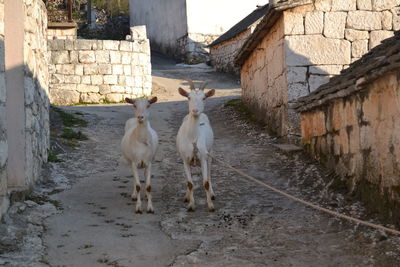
(196, 97)
(141, 107)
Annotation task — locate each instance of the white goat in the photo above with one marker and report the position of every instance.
(194, 141)
(139, 146)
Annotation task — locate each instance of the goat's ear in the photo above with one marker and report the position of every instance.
(183, 92)
(129, 100)
(210, 93)
(153, 100)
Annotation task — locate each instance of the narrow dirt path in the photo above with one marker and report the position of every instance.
(251, 226)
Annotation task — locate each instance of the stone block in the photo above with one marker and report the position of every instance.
(296, 90)
(97, 45)
(387, 20)
(59, 57)
(105, 69)
(90, 69)
(102, 56)
(115, 57)
(130, 81)
(85, 88)
(69, 45)
(379, 5)
(125, 46)
(90, 98)
(79, 70)
(118, 89)
(315, 81)
(376, 37)
(335, 23)
(296, 74)
(323, 5)
(396, 18)
(64, 97)
(110, 79)
(3, 153)
(305, 50)
(105, 89)
(83, 44)
(111, 45)
(65, 69)
(126, 58)
(359, 48)
(96, 79)
(353, 35)
(293, 23)
(118, 69)
(74, 57)
(326, 69)
(364, 4)
(86, 79)
(55, 45)
(138, 32)
(364, 20)
(127, 70)
(74, 79)
(115, 97)
(65, 87)
(87, 57)
(343, 5)
(122, 80)
(314, 22)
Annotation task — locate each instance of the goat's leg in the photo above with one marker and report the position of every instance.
(147, 175)
(136, 189)
(189, 190)
(206, 183)
(209, 160)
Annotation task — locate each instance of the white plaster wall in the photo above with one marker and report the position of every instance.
(165, 21)
(214, 17)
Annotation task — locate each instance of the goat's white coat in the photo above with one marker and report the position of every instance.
(139, 146)
(194, 141)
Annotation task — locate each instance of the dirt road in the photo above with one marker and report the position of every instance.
(250, 227)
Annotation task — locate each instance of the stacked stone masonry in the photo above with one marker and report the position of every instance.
(192, 48)
(320, 40)
(223, 54)
(36, 83)
(352, 124)
(3, 134)
(93, 71)
(61, 33)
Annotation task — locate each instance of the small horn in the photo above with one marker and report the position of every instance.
(191, 84)
(203, 85)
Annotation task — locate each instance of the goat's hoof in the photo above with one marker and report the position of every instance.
(186, 199)
(138, 211)
(190, 208)
(133, 197)
(213, 197)
(150, 210)
(211, 208)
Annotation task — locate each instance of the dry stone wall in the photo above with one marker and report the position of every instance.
(192, 48)
(98, 70)
(3, 134)
(263, 81)
(36, 77)
(223, 55)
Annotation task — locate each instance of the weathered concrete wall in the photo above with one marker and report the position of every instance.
(36, 85)
(263, 79)
(359, 137)
(165, 21)
(3, 130)
(98, 70)
(223, 55)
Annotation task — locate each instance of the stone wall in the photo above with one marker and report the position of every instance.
(223, 54)
(98, 70)
(3, 133)
(263, 80)
(36, 83)
(192, 48)
(62, 31)
(359, 137)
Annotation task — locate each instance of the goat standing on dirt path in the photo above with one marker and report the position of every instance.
(194, 141)
(139, 146)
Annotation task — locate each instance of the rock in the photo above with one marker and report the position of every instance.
(326, 69)
(343, 5)
(314, 22)
(296, 74)
(359, 48)
(87, 57)
(364, 20)
(138, 32)
(304, 50)
(316, 81)
(64, 97)
(353, 35)
(364, 4)
(387, 20)
(293, 23)
(379, 5)
(378, 36)
(335, 23)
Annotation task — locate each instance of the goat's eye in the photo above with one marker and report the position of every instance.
(189, 97)
(204, 98)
